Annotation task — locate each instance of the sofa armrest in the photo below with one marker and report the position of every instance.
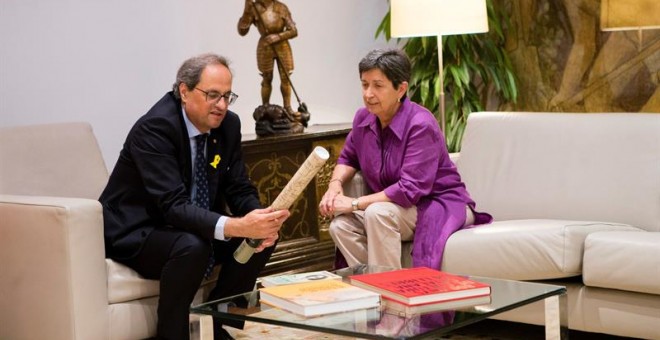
(53, 280)
(356, 186)
(454, 156)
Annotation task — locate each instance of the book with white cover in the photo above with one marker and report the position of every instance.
(319, 297)
(278, 280)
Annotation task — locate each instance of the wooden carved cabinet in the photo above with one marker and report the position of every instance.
(304, 244)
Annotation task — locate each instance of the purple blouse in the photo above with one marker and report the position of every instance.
(408, 160)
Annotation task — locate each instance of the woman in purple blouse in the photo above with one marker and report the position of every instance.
(417, 192)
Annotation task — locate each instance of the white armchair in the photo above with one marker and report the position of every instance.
(55, 282)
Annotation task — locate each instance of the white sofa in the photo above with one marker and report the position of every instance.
(576, 202)
(55, 282)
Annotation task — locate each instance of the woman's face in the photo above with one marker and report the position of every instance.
(379, 95)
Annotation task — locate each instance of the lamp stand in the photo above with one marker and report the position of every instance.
(441, 103)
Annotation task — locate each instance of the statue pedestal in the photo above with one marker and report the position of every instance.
(275, 120)
(305, 244)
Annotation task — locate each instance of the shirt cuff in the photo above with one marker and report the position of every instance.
(397, 195)
(220, 229)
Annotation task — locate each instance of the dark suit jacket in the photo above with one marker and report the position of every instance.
(150, 184)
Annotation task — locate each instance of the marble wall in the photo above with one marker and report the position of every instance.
(566, 63)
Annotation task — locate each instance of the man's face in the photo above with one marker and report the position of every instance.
(203, 114)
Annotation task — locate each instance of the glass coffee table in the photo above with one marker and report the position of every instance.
(382, 323)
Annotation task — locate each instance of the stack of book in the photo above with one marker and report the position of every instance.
(319, 297)
(405, 292)
(422, 290)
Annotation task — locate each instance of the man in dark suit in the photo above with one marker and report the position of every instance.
(165, 217)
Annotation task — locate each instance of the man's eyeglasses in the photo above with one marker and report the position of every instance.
(214, 96)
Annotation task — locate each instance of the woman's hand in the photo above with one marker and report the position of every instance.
(327, 205)
(342, 204)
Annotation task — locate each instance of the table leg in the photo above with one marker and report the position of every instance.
(556, 317)
(201, 327)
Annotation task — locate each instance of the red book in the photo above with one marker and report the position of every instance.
(417, 286)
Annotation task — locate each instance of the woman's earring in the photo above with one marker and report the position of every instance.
(398, 100)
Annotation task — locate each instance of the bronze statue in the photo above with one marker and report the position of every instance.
(275, 25)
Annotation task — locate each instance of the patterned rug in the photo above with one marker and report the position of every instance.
(496, 331)
(484, 330)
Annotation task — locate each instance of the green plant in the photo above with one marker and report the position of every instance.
(476, 68)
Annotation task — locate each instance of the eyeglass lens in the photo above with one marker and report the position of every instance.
(214, 97)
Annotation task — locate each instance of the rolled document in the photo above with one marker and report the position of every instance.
(289, 194)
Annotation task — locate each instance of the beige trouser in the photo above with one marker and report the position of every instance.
(374, 236)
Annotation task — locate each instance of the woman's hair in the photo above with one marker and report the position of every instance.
(191, 70)
(392, 62)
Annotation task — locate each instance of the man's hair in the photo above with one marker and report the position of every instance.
(191, 70)
(394, 63)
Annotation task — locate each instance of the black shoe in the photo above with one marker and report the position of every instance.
(220, 333)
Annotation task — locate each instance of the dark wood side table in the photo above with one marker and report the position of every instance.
(304, 244)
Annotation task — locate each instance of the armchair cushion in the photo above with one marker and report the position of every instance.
(125, 284)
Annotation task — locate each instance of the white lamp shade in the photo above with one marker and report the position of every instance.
(416, 18)
(620, 15)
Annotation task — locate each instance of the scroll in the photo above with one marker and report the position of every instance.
(289, 194)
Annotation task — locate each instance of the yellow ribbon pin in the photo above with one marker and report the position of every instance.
(215, 162)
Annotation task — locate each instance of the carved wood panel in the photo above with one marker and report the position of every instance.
(304, 243)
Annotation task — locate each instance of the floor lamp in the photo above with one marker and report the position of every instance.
(418, 18)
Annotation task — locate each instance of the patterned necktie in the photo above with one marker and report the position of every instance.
(201, 180)
(201, 198)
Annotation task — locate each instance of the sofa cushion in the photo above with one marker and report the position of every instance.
(588, 167)
(522, 249)
(623, 260)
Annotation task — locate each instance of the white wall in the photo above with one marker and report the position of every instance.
(107, 62)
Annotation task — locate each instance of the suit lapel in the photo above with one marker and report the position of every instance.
(187, 153)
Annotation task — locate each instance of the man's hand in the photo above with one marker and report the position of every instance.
(258, 224)
(269, 242)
